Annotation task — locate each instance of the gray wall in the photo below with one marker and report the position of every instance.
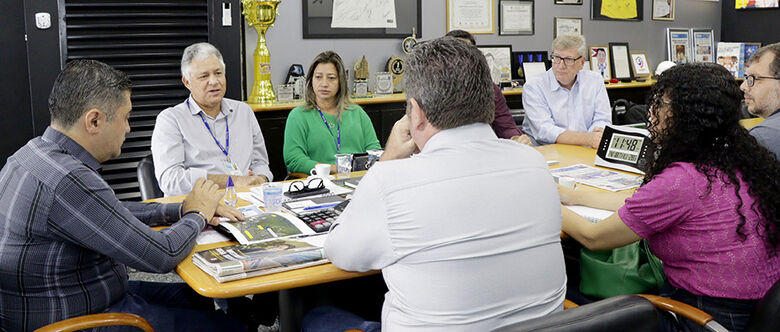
(285, 38)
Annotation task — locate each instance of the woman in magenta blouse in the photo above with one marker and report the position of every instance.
(710, 203)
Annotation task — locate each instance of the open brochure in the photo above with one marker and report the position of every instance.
(259, 226)
(249, 260)
(599, 178)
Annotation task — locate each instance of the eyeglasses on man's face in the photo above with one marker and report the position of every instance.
(566, 61)
(751, 79)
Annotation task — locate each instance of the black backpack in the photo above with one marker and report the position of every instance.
(625, 112)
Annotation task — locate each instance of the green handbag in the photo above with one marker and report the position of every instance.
(630, 269)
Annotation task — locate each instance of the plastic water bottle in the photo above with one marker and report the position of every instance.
(231, 199)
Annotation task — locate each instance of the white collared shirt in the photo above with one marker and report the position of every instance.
(551, 109)
(467, 234)
(184, 150)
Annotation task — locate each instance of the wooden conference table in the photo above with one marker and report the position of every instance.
(205, 285)
(566, 155)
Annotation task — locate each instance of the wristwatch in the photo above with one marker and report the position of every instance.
(200, 214)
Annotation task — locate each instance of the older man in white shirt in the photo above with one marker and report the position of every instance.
(567, 104)
(467, 231)
(207, 136)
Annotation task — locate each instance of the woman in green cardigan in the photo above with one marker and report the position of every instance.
(328, 123)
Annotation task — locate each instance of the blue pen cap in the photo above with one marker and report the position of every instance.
(230, 181)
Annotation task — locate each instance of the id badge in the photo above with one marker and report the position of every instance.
(232, 168)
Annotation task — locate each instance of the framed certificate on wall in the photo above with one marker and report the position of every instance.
(567, 25)
(474, 16)
(515, 17)
(621, 62)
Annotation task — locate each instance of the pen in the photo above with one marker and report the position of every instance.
(320, 206)
(255, 197)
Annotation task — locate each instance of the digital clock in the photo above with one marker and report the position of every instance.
(624, 148)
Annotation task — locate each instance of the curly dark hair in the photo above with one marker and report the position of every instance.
(703, 128)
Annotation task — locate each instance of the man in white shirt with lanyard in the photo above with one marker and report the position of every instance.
(207, 135)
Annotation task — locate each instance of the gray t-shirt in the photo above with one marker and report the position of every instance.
(767, 133)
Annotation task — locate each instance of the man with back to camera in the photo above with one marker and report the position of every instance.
(207, 136)
(67, 239)
(503, 125)
(762, 95)
(461, 246)
(566, 105)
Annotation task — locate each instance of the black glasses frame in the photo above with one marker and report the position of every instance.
(751, 79)
(566, 61)
(311, 185)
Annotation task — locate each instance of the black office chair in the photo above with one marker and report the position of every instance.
(147, 182)
(765, 318)
(619, 313)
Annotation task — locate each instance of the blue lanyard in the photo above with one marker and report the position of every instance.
(338, 127)
(227, 133)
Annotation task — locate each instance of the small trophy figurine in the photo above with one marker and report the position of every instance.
(396, 66)
(409, 42)
(361, 78)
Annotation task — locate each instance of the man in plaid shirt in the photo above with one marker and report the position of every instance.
(66, 239)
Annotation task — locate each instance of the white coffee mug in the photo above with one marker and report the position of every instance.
(321, 170)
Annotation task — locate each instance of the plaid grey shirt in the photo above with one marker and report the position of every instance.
(65, 238)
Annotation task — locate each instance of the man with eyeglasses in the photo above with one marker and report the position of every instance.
(567, 104)
(762, 95)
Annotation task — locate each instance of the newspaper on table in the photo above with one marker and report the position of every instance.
(249, 260)
(597, 177)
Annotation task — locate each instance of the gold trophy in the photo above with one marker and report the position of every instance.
(261, 14)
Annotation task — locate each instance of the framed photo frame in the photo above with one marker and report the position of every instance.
(499, 60)
(515, 17)
(746, 4)
(678, 41)
(621, 62)
(663, 10)
(600, 61)
(749, 49)
(703, 45)
(605, 10)
(568, 2)
(564, 25)
(318, 15)
(640, 64)
(474, 16)
(731, 57)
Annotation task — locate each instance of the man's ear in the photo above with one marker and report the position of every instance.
(186, 82)
(94, 120)
(417, 117)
